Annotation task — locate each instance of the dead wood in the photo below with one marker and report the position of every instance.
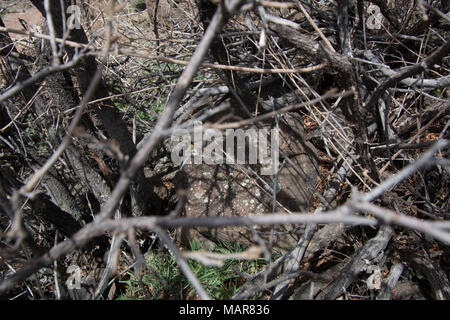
(357, 208)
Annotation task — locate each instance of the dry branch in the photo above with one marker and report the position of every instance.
(280, 60)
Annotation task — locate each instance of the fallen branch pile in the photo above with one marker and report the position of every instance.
(358, 90)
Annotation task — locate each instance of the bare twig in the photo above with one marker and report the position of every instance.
(407, 72)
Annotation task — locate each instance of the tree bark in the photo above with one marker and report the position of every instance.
(142, 195)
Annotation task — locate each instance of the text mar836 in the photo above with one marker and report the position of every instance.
(226, 309)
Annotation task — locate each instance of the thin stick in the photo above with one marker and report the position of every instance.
(314, 25)
(183, 264)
